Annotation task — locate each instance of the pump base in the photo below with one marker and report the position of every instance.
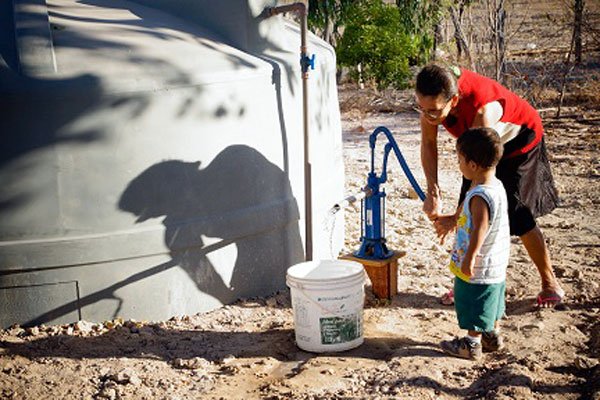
(382, 273)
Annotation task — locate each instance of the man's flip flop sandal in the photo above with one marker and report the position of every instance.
(553, 299)
(448, 298)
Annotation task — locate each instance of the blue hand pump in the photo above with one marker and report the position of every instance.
(373, 242)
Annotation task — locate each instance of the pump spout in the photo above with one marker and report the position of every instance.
(353, 198)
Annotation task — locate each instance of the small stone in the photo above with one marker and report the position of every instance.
(53, 330)
(16, 330)
(194, 363)
(108, 393)
(412, 194)
(272, 302)
(582, 362)
(33, 331)
(228, 359)
(126, 376)
(533, 326)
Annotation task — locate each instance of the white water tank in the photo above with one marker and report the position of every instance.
(152, 156)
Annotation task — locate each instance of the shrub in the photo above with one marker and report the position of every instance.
(379, 38)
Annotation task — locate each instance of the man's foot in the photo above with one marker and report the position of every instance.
(462, 347)
(491, 341)
(448, 298)
(550, 298)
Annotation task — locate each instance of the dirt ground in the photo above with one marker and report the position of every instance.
(247, 350)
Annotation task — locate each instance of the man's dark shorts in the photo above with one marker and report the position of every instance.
(529, 186)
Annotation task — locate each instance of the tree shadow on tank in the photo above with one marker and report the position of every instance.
(240, 202)
(32, 120)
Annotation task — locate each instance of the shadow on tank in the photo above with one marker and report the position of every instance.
(240, 199)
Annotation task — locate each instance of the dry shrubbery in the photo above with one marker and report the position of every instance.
(538, 39)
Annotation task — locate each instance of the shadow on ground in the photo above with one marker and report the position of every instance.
(153, 341)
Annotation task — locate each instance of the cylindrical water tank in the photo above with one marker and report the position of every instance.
(152, 157)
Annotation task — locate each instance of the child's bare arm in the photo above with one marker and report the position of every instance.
(480, 216)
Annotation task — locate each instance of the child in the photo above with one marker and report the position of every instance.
(481, 248)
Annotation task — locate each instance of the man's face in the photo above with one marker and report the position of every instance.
(434, 109)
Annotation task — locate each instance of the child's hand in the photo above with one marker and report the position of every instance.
(466, 268)
(444, 224)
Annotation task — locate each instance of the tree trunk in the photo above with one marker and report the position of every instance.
(579, 5)
(437, 38)
(500, 24)
(497, 23)
(568, 69)
(329, 23)
(460, 37)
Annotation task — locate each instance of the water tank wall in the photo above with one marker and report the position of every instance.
(152, 163)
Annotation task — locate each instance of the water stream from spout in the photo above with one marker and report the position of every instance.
(329, 228)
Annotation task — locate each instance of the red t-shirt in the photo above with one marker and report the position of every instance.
(475, 91)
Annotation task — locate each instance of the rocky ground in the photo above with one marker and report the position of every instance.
(247, 350)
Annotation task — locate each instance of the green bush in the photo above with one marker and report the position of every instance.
(379, 38)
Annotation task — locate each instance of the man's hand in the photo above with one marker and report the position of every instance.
(432, 205)
(444, 224)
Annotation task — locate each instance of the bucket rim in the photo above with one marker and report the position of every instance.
(352, 270)
(325, 284)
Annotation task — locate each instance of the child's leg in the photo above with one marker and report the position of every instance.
(468, 346)
(474, 336)
(492, 340)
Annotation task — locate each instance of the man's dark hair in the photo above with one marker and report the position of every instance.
(482, 146)
(434, 80)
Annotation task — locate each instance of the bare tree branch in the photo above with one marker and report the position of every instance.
(461, 37)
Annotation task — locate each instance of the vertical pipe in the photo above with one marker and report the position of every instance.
(307, 165)
(302, 10)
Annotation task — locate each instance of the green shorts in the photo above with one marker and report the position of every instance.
(478, 306)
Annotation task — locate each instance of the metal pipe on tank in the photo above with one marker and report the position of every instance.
(302, 10)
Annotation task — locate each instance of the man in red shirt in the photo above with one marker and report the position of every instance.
(460, 99)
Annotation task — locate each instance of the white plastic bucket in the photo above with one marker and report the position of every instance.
(328, 301)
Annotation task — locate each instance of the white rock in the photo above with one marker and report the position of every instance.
(84, 326)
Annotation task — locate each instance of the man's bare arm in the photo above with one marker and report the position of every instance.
(429, 161)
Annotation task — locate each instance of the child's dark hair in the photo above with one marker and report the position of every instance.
(482, 146)
(434, 80)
